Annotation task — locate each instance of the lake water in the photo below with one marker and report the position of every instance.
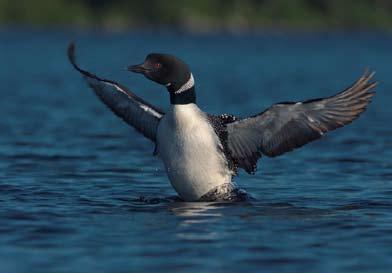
(81, 192)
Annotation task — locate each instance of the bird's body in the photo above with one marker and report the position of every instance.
(191, 152)
(202, 152)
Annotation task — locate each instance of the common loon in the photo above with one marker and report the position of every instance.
(202, 152)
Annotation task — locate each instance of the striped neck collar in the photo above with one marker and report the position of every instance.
(186, 86)
(185, 94)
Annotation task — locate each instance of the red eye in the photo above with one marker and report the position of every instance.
(157, 65)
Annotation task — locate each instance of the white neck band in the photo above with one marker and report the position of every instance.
(188, 85)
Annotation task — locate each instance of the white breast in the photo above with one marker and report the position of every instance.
(189, 148)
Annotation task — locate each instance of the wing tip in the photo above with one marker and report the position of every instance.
(350, 104)
(368, 73)
(72, 59)
(367, 89)
(71, 54)
(367, 76)
(361, 88)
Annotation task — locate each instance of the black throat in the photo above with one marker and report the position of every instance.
(185, 97)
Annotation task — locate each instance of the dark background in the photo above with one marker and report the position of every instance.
(200, 15)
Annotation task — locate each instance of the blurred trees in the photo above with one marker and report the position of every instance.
(199, 14)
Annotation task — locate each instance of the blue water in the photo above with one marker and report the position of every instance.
(81, 192)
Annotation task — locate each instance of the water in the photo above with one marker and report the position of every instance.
(81, 192)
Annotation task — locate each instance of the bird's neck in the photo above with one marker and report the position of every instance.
(184, 93)
(185, 97)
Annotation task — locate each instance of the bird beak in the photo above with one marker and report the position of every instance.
(139, 68)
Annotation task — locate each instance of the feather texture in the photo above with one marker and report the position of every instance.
(141, 115)
(286, 126)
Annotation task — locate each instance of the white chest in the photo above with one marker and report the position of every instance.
(189, 148)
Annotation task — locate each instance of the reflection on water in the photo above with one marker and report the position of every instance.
(195, 209)
(81, 192)
(194, 217)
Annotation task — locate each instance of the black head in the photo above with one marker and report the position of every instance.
(164, 69)
(169, 71)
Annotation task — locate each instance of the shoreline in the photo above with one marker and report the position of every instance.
(194, 31)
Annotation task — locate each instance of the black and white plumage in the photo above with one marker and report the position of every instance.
(202, 152)
(287, 126)
(133, 110)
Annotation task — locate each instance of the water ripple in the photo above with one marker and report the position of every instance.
(81, 192)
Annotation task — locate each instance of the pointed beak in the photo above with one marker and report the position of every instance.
(139, 68)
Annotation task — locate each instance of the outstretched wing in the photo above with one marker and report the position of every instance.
(133, 110)
(286, 126)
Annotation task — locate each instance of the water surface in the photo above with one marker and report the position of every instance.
(81, 192)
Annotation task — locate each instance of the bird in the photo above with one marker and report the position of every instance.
(201, 152)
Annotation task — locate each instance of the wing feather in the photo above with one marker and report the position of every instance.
(286, 126)
(138, 113)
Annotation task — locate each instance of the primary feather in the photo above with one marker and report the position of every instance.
(286, 126)
(138, 113)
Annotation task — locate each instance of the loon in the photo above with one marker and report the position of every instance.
(202, 152)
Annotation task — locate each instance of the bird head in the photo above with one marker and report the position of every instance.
(164, 69)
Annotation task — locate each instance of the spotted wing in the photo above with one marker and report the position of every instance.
(133, 110)
(286, 126)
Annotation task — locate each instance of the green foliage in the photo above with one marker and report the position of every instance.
(199, 14)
